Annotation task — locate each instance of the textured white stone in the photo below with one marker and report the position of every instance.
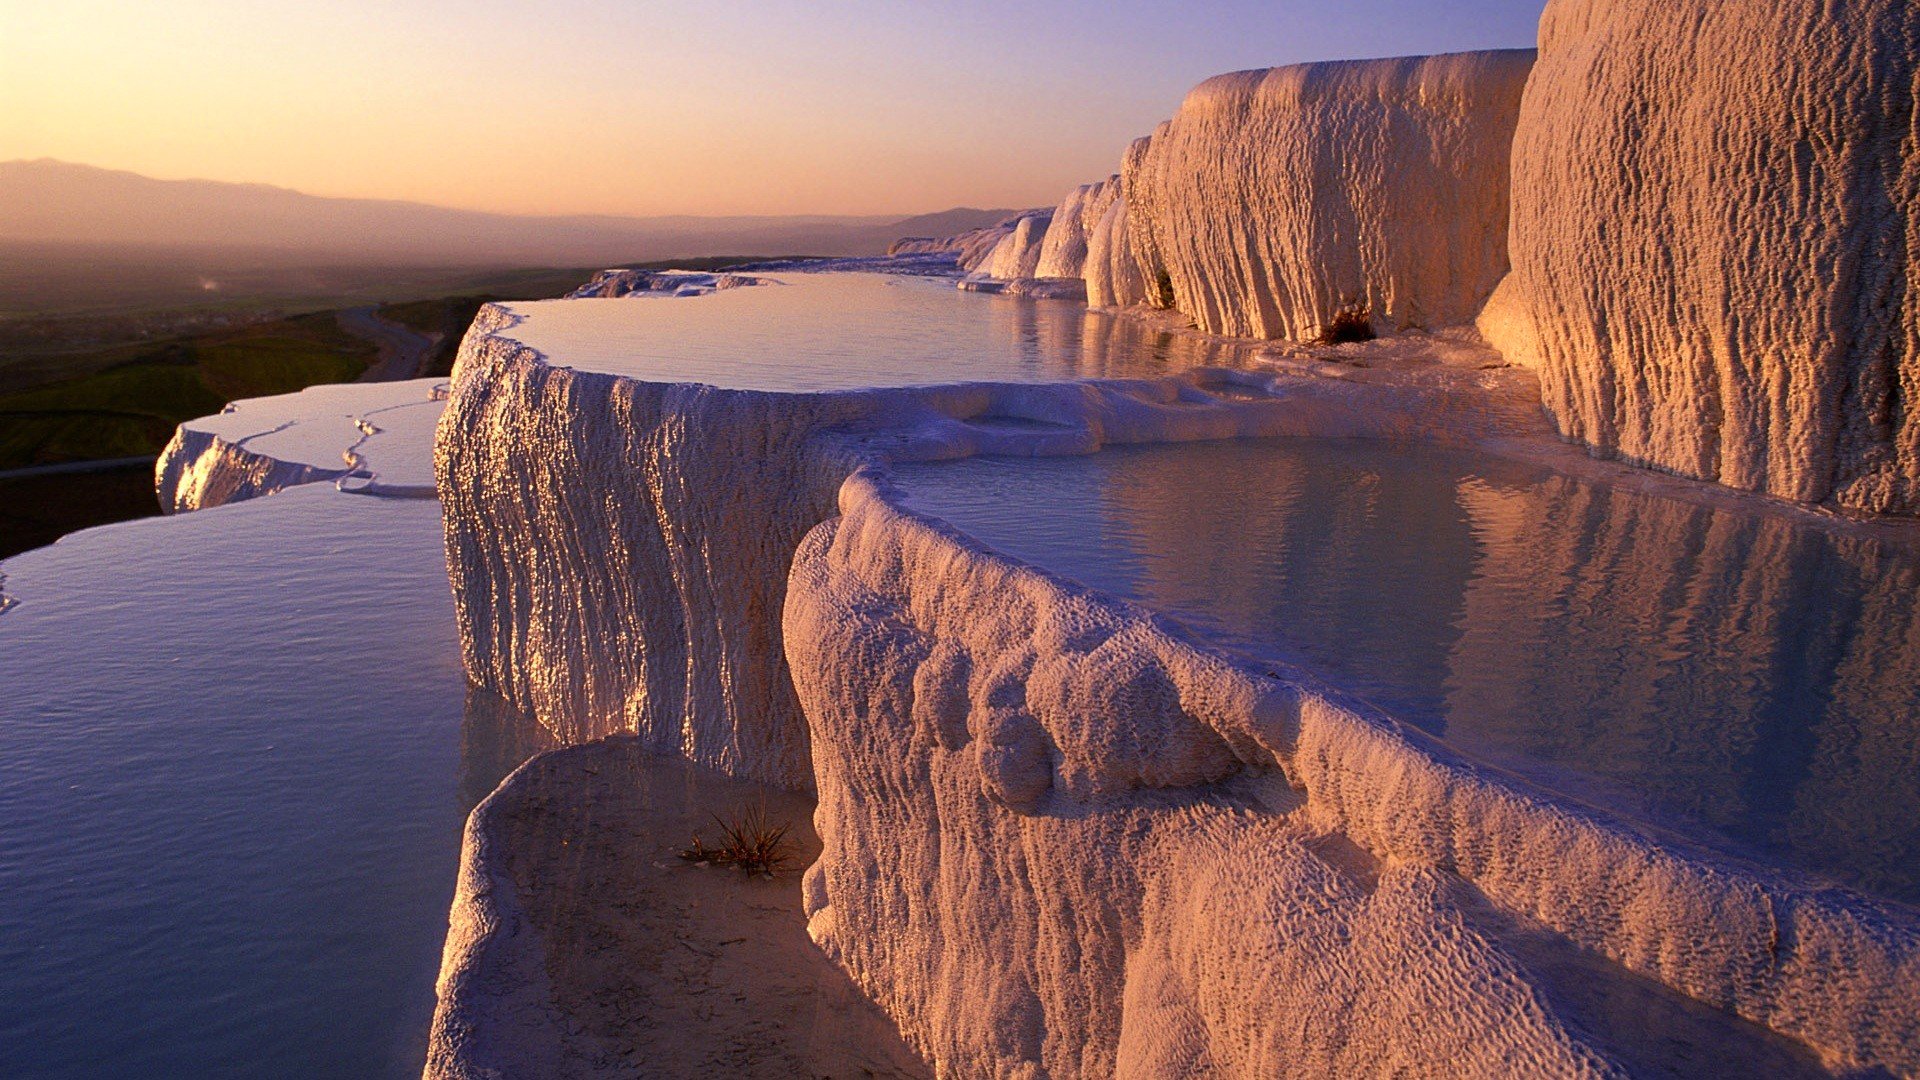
(1112, 275)
(618, 548)
(1275, 198)
(612, 284)
(1063, 251)
(970, 248)
(1062, 840)
(372, 438)
(1046, 817)
(1017, 255)
(1715, 212)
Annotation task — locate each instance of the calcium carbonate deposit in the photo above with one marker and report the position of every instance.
(375, 438)
(1057, 778)
(1063, 834)
(1711, 256)
(1275, 199)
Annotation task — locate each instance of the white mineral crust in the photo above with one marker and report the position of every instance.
(1715, 212)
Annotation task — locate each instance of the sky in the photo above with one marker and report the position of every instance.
(642, 107)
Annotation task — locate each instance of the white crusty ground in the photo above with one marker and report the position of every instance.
(1274, 198)
(1715, 210)
(374, 438)
(582, 946)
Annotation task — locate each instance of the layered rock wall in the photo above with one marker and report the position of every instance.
(1275, 199)
(1715, 211)
(617, 550)
(198, 469)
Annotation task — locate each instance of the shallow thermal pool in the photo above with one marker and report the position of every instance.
(1752, 680)
(841, 331)
(233, 775)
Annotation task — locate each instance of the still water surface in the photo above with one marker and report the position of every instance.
(232, 783)
(1753, 680)
(810, 332)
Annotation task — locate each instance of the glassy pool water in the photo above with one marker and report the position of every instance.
(843, 331)
(233, 776)
(1752, 680)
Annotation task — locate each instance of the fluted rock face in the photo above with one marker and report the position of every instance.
(970, 248)
(1113, 278)
(614, 548)
(1017, 255)
(1714, 213)
(1275, 198)
(1063, 251)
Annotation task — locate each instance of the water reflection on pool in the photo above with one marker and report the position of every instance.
(233, 774)
(842, 331)
(1753, 678)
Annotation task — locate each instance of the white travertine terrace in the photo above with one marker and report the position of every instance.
(1017, 254)
(1063, 251)
(1061, 837)
(1112, 274)
(1008, 767)
(1715, 213)
(970, 248)
(374, 438)
(1275, 198)
(619, 547)
(616, 283)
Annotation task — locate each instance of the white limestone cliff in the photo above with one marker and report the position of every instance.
(1715, 214)
(1112, 275)
(970, 249)
(1275, 199)
(371, 438)
(1063, 251)
(1017, 254)
(1061, 839)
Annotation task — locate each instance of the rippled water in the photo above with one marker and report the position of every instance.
(845, 331)
(1751, 679)
(232, 783)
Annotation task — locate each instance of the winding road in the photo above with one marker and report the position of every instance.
(402, 350)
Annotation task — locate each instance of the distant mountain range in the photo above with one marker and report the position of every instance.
(56, 202)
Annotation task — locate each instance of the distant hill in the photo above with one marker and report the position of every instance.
(55, 202)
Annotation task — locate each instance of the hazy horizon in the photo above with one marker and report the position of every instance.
(780, 109)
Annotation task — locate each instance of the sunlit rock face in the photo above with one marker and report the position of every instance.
(1710, 258)
(613, 545)
(1063, 251)
(1276, 198)
(970, 248)
(1017, 254)
(1113, 277)
(1061, 840)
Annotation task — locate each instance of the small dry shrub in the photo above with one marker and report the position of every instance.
(751, 842)
(1349, 324)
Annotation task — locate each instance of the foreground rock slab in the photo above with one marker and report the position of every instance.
(609, 956)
